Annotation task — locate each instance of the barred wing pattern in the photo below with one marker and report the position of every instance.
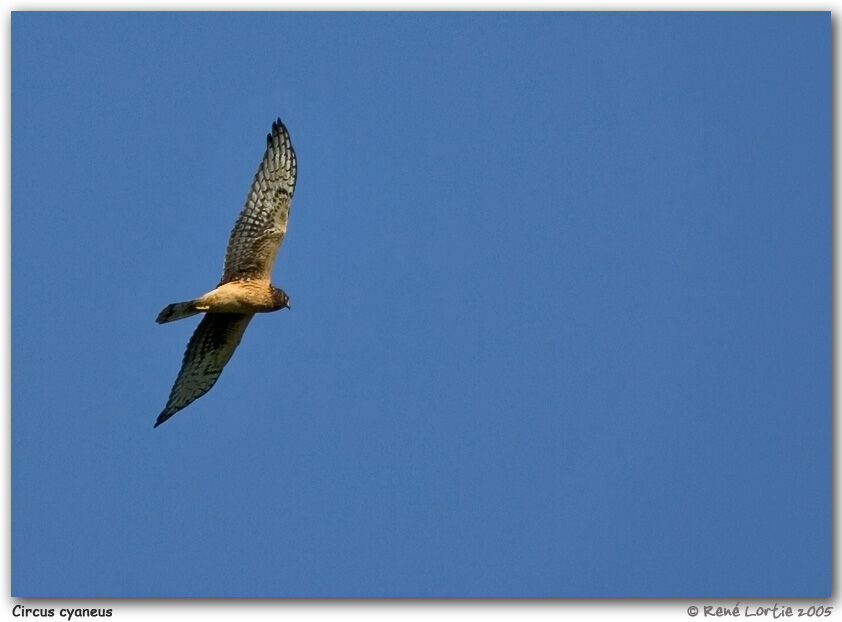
(261, 226)
(210, 348)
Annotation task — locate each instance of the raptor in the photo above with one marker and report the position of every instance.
(245, 287)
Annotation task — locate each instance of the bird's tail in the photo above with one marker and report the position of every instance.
(177, 311)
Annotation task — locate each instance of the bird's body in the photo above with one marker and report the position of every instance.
(231, 297)
(242, 297)
(245, 288)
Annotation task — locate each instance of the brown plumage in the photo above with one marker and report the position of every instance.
(245, 288)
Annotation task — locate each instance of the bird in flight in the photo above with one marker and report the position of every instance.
(245, 288)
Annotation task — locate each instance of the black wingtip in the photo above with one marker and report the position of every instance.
(278, 129)
(161, 418)
(278, 126)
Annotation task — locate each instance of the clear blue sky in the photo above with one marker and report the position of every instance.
(561, 296)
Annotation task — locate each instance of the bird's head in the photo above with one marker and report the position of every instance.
(280, 300)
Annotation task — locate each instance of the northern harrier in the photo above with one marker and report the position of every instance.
(245, 288)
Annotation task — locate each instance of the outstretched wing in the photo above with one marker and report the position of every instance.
(210, 348)
(261, 226)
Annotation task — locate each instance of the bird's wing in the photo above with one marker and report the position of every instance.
(261, 225)
(210, 348)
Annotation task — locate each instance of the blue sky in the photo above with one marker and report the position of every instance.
(561, 305)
